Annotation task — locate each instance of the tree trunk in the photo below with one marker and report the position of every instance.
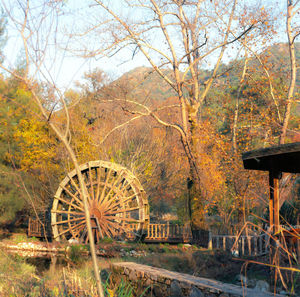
(196, 199)
(291, 46)
(237, 105)
(196, 205)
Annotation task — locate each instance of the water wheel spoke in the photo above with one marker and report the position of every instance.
(73, 183)
(112, 231)
(73, 195)
(104, 229)
(112, 188)
(98, 184)
(70, 229)
(123, 210)
(69, 203)
(76, 233)
(69, 221)
(117, 226)
(124, 219)
(68, 212)
(119, 193)
(116, 204)
(91, 183)
(105, 185)
(99, 233)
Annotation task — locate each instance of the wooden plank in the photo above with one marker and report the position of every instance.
(243, 245)
(255, 245)
(260, 245)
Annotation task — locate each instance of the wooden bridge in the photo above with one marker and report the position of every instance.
(254, 245)
(169, 233)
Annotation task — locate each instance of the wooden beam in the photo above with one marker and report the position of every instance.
(274, 177)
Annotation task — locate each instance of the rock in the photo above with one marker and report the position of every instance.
(242, 279)
(235, 253)
(262, 286)
(158, 291)
(251, 283)
(132, 275)
(195, 292)
(283, 292)
(73, 241)
(175, 290)
(104, 275)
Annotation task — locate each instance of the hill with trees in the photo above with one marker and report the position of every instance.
(30, 152)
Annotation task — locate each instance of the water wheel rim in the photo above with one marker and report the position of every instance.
(113, 199)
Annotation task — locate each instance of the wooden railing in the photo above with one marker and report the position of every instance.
(254, 245)
(172, 233)
(257, 245)
(36, 229)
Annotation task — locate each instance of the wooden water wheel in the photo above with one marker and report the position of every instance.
(117, 203)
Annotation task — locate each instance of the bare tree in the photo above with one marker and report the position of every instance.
(37, 28)
(292, 33)
(177, 38)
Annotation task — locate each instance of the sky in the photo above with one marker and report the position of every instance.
(63, 67)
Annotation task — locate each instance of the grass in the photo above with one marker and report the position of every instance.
(16, 276)
(181, 258)
(20, 279)
(77, 253)
(20, 237)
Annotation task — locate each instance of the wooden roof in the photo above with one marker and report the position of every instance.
(282, 158)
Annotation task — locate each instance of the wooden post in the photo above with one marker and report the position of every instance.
(29, 226)
(255, 245)
(274, 177)
(274, 200)
(260, 245)
(243, 245)
(210, 245)
(168, 229)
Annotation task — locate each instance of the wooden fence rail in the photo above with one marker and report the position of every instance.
(172, 233)
(257, 245)
(36, 229)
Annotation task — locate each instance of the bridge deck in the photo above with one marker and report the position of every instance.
(151, 277)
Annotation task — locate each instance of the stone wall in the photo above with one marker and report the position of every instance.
(162, 283)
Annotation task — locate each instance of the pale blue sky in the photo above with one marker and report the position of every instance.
(65, 68)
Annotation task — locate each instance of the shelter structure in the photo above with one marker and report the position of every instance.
(276, 160)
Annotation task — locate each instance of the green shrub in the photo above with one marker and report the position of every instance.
(106, 240)
(16, 276)
(77, 253)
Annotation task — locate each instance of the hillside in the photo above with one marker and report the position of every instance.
(148, 84)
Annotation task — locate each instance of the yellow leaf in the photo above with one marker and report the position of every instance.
(110, 293)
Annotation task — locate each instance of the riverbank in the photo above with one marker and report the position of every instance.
(182, 258)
